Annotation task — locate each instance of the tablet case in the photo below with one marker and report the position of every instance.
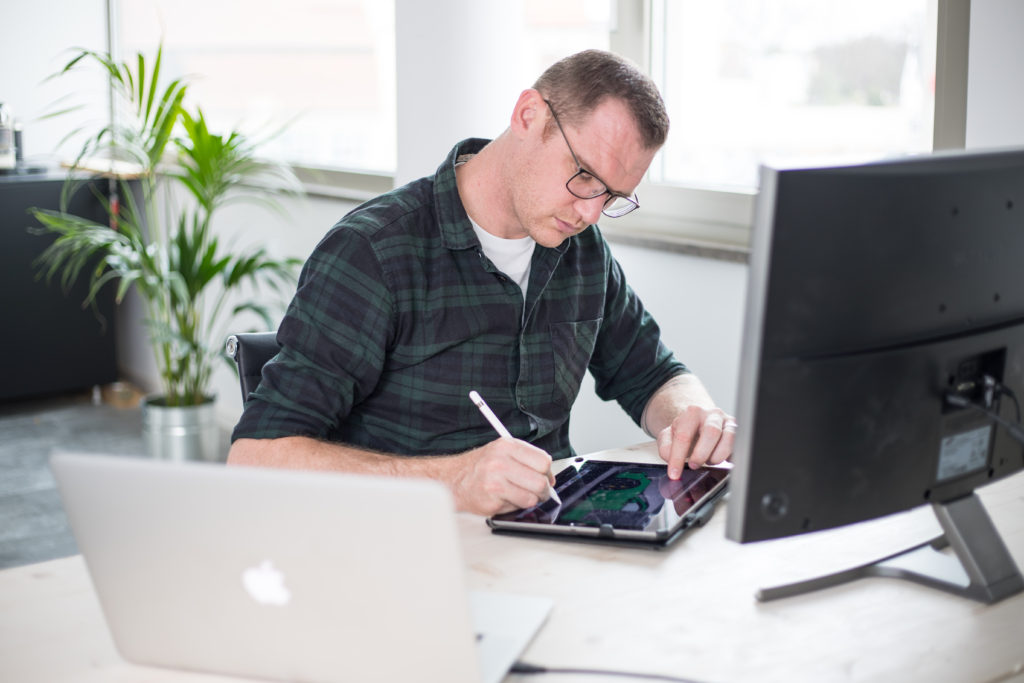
(605, 536)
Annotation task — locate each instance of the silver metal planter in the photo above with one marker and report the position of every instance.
(180, 433)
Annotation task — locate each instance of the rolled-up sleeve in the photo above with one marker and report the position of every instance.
(332, 338)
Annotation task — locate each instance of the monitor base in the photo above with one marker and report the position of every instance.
(980, 567)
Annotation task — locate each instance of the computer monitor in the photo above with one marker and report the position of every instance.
(883, 346)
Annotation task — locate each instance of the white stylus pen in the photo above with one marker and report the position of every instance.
(502, 431)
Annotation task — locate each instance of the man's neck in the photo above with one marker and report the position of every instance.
(483, 190)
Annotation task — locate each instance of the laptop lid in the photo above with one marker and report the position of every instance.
(278, 574)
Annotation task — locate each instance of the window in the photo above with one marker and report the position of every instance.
(787, 81)
(745, 81)
(749, 80)
(553, 30)
(320, 73)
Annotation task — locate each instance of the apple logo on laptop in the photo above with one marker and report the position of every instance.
(265, 584)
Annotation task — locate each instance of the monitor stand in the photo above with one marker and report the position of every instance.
(980, 567)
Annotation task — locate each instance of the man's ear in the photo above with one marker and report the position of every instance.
(529, 115)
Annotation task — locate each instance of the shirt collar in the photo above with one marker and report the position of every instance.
(456, 230)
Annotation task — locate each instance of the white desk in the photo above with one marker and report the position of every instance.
(686, 612)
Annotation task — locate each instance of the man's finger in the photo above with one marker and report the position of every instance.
(683, 433)
(537, 459)
(710, 436)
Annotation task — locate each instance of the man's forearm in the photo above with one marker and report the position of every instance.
(305, 453)
(671, 399)
(502, 475)
(690, 430)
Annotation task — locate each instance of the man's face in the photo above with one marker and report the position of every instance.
(606, 144)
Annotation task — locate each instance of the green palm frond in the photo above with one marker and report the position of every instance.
(162, 247)
(218, 169)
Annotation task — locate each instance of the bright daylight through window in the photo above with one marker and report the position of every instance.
(320, 73)
(745, 81)
(753, 80)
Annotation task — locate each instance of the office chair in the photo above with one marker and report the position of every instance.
(251, 351)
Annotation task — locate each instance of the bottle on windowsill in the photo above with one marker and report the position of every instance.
(8, 159)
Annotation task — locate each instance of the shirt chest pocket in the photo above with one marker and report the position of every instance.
(572, 345)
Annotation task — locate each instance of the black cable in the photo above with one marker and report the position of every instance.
(1007, 391)
(524, 668)
(1015, 430)
(995, 388)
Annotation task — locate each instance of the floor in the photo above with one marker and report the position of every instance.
(33, 527)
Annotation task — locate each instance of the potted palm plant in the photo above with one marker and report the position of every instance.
(169, 175)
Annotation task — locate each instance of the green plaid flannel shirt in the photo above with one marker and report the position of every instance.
(398, 315)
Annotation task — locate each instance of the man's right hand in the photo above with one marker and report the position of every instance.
(503, 475)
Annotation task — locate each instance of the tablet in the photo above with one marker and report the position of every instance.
(621, 501)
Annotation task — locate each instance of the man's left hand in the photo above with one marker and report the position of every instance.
(696, 437)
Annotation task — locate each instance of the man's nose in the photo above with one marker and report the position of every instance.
(590, 209)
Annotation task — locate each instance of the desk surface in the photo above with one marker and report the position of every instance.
(686, 612)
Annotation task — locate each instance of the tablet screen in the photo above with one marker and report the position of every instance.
(630, 497)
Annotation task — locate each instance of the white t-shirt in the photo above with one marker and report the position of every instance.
(510, 256)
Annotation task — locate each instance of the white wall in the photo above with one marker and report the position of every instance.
(699, 304)
(995, 88)
(36, 46)
(454, 78)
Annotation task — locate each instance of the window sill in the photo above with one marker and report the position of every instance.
(335, 183)
(679, 244)
(727, 239)
(720, 241)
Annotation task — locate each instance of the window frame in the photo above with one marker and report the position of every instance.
(719, 222)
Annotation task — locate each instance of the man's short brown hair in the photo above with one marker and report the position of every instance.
(577, 84)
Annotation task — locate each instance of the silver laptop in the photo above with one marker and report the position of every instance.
(287, 575)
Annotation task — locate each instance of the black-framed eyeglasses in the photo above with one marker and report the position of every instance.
(585, 185)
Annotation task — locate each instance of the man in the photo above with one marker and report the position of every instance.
(488, 276)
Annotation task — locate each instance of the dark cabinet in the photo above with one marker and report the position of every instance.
(50, 344)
